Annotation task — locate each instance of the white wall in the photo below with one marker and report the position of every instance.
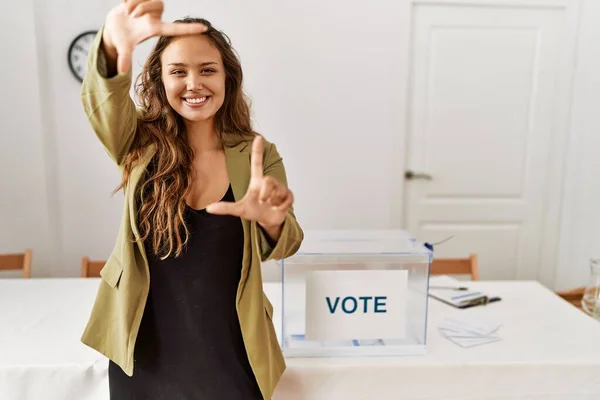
(326, 79)
(86, 216)
(580, 227)
(24, 211)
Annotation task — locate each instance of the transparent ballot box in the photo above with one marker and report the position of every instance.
(348, 293)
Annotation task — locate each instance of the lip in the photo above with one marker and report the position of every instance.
(199, 105)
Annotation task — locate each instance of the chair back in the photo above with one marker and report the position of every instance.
(16, 261)
(456, 266)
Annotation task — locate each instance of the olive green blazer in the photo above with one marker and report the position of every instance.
(117, 312)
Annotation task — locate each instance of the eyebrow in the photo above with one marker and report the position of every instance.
(204, 64)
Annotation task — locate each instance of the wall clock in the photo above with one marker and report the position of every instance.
(78, 53)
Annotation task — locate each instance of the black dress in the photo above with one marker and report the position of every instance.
(190, 345)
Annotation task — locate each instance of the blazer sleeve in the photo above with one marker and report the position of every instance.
(291, 235)
(108, 104)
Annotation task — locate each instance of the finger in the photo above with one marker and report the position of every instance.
(276, 196)
(155, 7)
(130, 5)
(267, 189)
(287, 203)
(256, 161)
(180, 29)
(280, 197)
(225, 208)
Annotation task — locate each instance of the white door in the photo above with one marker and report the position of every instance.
(482, 125)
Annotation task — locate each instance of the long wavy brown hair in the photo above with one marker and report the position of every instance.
(167, 180)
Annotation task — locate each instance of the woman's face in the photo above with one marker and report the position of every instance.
(194, 77)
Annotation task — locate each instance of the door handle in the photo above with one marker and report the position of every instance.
(410, 175)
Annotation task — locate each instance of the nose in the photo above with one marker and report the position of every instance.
(194, 82)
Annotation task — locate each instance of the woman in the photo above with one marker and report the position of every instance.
(180, 310)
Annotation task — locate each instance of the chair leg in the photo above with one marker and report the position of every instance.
(474, 267)
(27, 264)
(85, 262)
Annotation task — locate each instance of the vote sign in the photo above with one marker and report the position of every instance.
(361, 304)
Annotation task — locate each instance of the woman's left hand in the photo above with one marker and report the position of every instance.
(266, 201)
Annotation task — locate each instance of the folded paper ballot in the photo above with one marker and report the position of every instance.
(469, 332)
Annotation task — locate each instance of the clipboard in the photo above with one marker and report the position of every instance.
(457, 293)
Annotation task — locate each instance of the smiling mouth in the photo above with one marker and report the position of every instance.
(196, 101)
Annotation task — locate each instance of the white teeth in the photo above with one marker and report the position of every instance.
(196, 100)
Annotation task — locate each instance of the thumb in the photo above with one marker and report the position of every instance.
(124, 62)
(225, 208)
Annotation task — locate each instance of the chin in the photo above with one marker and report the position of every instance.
(195, 115)
(197, 118)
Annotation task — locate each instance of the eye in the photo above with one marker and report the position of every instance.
(209, 71)
(177, 72)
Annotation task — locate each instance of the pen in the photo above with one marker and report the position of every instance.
(449, 287)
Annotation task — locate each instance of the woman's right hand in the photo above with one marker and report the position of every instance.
(132, 22)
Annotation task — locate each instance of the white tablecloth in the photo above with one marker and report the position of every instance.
(41, 355)
(549, 350)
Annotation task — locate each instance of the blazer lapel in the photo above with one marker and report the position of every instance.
(238, 169)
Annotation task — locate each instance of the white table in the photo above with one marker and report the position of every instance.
(41, 355)
(549, 350)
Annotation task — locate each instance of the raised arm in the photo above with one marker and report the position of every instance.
(105, 90)
(107, 102)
